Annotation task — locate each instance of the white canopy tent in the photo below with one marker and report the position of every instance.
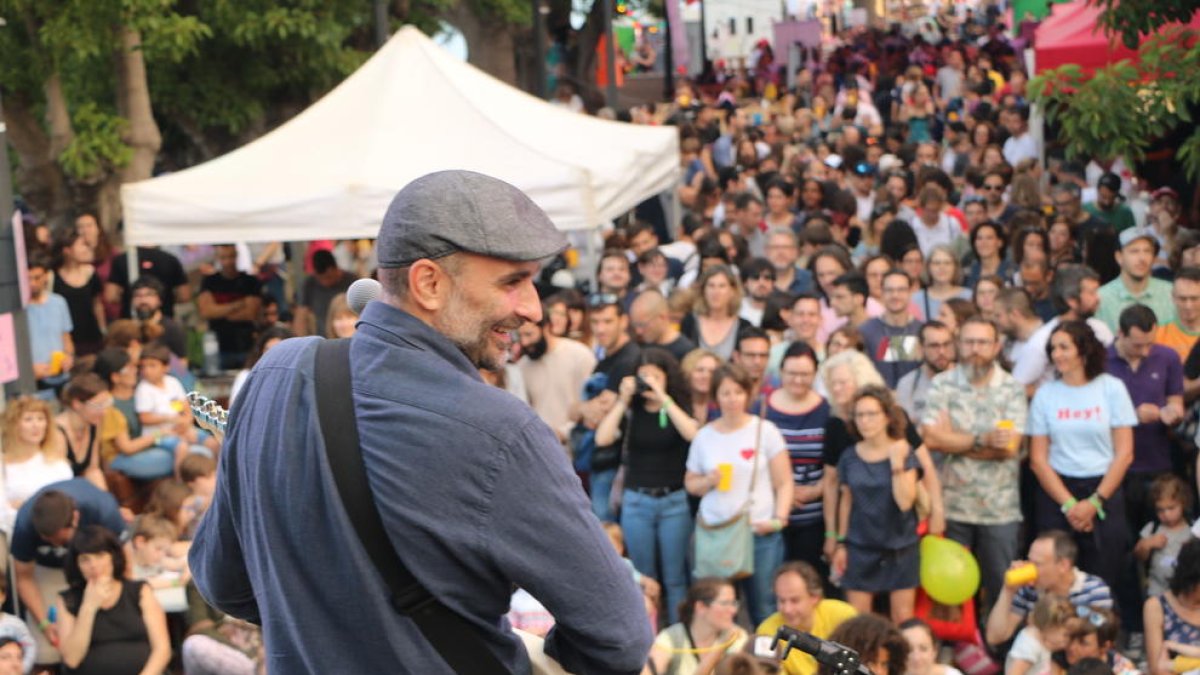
(330, 172)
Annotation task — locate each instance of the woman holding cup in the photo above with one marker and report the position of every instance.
(748, 457)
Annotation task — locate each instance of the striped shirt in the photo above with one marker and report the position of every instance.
(805, 438)
(1087, 590)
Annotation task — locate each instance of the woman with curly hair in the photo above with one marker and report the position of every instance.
(1081, 445)
(880, 645)
(1172, 620)
(876, 521)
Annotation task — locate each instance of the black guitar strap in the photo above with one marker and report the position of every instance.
(457, 641)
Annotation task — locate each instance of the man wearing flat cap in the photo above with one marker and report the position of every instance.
(473, 489)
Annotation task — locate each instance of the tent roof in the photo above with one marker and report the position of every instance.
(1073, 34)
(411, 109)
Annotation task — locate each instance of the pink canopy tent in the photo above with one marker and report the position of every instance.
(1072, 34)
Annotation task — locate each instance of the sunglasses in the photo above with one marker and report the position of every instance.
(598, 300)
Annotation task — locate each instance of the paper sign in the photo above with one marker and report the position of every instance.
(8, 350)
(19, 245)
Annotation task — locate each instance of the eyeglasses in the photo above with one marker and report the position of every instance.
(734, 604)
(598, 300)
(763, 277)
(993, 186)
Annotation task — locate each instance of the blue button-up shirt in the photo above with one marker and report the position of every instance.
(473, 489)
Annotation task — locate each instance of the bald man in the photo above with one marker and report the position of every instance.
(651, 324)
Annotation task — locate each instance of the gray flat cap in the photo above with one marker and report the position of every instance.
(462, 211)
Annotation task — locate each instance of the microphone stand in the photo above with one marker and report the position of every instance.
(837, 657)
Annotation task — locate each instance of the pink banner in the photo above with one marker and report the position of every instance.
(8, 349)
(679, 41)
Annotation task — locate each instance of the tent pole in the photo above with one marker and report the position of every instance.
(609, 55)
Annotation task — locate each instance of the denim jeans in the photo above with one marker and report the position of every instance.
(657, 532)
(151, 463)
(601, 483)
(758, 590)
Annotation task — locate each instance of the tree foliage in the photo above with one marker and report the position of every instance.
(1123, 108)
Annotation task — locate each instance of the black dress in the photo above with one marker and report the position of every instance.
(85, 332)
(120, 642)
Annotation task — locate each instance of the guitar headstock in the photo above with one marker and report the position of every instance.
(208, 415)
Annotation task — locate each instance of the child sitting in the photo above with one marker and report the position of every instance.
(162, 406)
(149, 555)
(1045, 633)
(1093, 634)
(199, 473)
(14, 629)
(1160, 541)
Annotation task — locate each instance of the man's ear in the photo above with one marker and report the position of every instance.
(428, 285)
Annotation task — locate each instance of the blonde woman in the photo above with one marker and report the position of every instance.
(33, 456)
(714, 322)
(340, 321)
(942, 281)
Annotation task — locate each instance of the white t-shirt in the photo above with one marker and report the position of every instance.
(711, 448)
(1017, 148)
(23, 480)
(945, 231)
(1028, 648)
(167, 399)
(1079, 421)
(1030, 363)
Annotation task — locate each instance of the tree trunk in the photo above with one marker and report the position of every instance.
(39, 178)
(490, 43)
(133, 103)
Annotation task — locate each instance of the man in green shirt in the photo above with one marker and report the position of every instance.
(1134, 285)
(1110, 205)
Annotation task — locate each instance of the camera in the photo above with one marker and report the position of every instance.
(642, 385)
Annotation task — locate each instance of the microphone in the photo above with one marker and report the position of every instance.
(838, 657)
(362, 292)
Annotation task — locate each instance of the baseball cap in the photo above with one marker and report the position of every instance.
(833, 161)
(1111, 181)
(463, 211)
(1132, 234)
(863, 169)
(1164, 192)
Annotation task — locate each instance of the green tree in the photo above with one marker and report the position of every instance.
(1121, 109)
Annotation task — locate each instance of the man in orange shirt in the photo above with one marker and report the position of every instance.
(1181, 333)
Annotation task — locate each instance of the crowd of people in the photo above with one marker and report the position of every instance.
(879, 318)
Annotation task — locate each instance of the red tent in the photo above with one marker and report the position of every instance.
(1073, 34)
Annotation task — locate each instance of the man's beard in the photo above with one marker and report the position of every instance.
(459, 322)
(536, 350)
(977, 371)
(144, 313)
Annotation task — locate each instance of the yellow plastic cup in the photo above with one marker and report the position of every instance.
(726, 480)
(56, 362)
(1021, 576)
(1009, 425)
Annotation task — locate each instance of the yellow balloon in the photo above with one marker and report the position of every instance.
(949, 573)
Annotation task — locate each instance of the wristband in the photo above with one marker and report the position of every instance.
(831, 535)
(1095, 501)
(841, 538)
(1069, 504)
(777, 524)
(44, 624)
